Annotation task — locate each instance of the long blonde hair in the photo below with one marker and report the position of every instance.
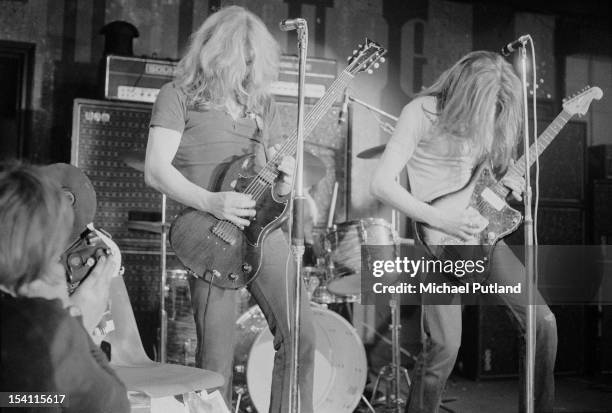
(479, 98)
(232, 59)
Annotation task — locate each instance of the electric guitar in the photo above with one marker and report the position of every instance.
(217, 250)
(487, 195)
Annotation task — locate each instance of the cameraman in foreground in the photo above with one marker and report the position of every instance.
(44, 340)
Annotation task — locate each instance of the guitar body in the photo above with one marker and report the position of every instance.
(499, 218)
(488, 197)
(219, 251)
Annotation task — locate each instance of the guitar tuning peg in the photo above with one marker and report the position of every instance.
(360, 46)
(382, 60)
(355, 51)
(370, 71)
(376, 65)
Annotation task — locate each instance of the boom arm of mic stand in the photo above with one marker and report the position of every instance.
(372, 108)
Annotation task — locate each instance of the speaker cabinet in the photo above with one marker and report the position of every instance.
(490, 342)
(563, 165)
(600, 162)
(602, 210)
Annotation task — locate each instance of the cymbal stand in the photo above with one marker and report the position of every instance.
(393, 373)
(163, 331)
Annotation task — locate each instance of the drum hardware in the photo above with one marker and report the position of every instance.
(376, 151)
(312, 280)
(392, 373)
(181, 339)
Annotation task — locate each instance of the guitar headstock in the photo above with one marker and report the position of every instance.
(366, 57)
(579, 103)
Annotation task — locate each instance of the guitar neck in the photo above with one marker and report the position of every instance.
(269, 172)
(536, 149)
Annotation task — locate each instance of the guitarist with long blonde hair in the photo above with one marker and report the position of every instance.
(219, 108)
(470, 115)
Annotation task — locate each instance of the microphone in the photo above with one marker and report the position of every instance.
(511, 47)
(344, 108)
(291, 24)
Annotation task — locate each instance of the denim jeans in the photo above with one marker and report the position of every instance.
(441, 325)
(216, 329)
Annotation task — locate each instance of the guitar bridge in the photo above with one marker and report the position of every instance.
(224, 235)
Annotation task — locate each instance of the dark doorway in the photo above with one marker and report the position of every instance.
(16, 67)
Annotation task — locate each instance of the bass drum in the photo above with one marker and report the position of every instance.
(340, 368)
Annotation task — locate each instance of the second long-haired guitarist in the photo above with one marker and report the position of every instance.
(470, 115)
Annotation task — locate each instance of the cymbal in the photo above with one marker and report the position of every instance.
(372, 153)
(314, 168)
(134, 160)
(154, 227)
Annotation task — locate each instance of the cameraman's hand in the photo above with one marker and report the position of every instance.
(91, 296)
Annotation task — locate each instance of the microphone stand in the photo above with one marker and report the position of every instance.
(529, 252)
(297, 230)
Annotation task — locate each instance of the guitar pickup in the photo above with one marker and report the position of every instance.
(493, 199)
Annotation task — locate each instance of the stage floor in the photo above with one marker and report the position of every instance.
(573, 395)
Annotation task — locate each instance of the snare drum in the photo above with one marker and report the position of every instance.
(343, 244)
(340, 367)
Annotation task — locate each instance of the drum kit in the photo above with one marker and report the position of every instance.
(340, 370)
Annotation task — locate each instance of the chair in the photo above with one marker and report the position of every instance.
(136, 369)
